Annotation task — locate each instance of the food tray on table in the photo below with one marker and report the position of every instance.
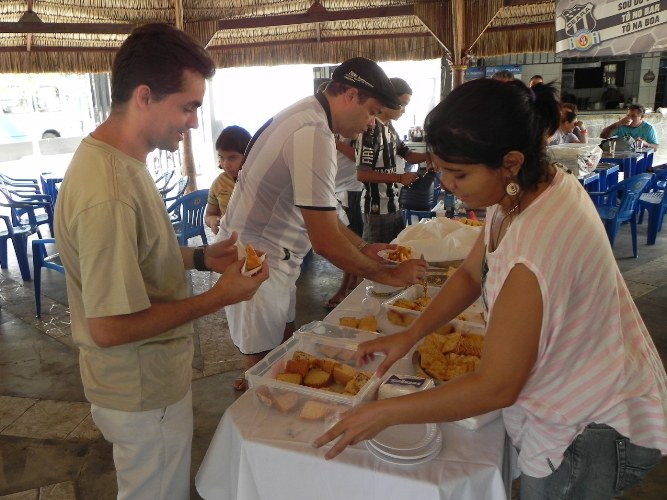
(311, 403)
(404, 308)
(355, 320)
(474, 315)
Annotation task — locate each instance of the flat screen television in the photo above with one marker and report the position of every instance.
(588, 78)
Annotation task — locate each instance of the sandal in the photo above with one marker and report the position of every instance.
(240, 384)
(332, 303)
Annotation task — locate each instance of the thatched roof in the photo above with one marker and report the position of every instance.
(82, 35)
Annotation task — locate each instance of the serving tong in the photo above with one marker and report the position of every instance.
(424, 281)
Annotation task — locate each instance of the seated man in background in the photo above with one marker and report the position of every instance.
(633, 125)
(579, 127)
(535, 80)
(565, 133)
(503, 75)
(230, 145)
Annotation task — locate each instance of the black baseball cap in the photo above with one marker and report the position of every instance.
(365, 74)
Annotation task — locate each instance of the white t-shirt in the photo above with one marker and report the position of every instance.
(291, 165)
(596, 361)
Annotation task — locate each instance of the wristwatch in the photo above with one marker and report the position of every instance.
(199, 259)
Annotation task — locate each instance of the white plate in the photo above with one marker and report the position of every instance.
(434, 445)
(406, 437)
(435, 450)
(384, 254)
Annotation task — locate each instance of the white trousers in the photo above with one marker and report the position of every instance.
(151, 449)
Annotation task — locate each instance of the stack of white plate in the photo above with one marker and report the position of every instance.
(407, 444)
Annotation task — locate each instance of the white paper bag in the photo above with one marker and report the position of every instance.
(439, 239)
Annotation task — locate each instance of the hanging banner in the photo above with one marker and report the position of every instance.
(609, 28)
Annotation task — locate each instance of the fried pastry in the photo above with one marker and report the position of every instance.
(252, 260)
(400, 319)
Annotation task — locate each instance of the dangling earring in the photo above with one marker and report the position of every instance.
(512, 188)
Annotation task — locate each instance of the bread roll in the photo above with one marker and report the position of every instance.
(326, 364)
(291, 378)
(316, 410)
(299, 366)
(285, 402)
(357, 383)
(317, 378)
(342, 374)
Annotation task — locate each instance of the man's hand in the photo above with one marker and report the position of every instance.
(406, 273)
(408, 178)
(233, 287)
(221, 254)
(371, 250)
(626, 121)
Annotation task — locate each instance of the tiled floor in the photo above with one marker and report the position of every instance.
(49, 447)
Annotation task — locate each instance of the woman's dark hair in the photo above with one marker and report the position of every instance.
(156, 55)
(482, 120)
(233, 138)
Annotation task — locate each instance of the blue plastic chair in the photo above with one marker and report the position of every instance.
(50, 186)
(19, 236)
(40, 259)
(619, 204)
(169, 195)
(29, 185)
(190, 210)
(655, 204)
(25, 206)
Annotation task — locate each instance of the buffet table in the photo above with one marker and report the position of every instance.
(258, 453)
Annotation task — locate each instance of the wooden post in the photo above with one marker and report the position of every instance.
(458, 74)
(187, 157)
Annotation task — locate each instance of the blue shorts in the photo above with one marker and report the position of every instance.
(599, 464)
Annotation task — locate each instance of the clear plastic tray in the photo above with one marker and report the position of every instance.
(261, 377)
(410, 293)
(474, 314)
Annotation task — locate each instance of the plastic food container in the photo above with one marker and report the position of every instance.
(308, 403)
(474, 314)
(404, 314)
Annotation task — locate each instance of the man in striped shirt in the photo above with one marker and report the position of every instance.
(284, 202)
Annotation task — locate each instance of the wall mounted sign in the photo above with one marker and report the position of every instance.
(649, 76)
(610, 27)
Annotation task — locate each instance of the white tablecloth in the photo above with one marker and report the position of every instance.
(258, 453)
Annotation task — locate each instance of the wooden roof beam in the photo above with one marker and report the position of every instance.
(322, 40)
(84, 28)
(519, 27)
(315, 15)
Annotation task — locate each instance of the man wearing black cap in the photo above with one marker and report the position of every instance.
(381, 171)
(284, 202)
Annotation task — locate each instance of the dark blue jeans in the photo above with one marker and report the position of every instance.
(599, 464)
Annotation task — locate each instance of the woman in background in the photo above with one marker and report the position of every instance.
(566, 354)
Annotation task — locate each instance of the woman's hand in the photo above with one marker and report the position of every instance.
(393, 346)
(360, 423)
